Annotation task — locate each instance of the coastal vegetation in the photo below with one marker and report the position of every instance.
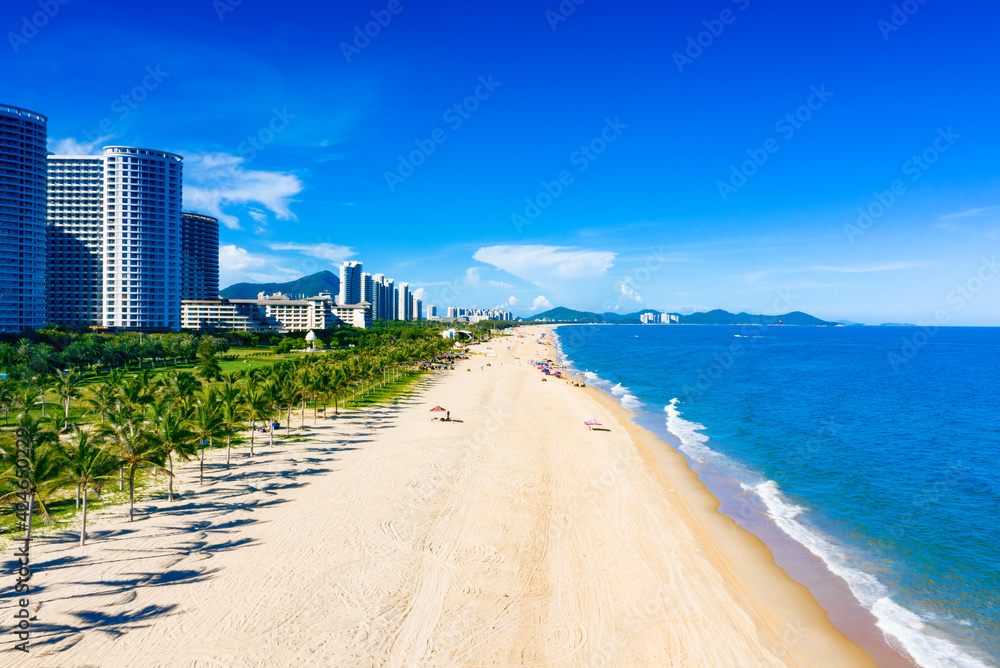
(92, 408)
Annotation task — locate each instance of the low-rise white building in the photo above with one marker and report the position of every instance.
(276, 312)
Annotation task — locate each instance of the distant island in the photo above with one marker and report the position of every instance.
(313, 284)
(715, 317)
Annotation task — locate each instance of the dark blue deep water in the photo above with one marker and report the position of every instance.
(877, 448)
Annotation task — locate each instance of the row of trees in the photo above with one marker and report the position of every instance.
(150, 421)
(26, 358)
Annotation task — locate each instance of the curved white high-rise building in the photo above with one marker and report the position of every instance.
(142, 238)
(350, 283)
(23, 136)
(114, 239)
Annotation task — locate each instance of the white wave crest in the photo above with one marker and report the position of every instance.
(905, 627)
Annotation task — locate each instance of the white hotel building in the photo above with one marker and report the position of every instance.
(115, 239)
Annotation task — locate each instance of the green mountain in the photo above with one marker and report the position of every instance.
(563, 314)
(716, 317)
(720, 317)
(309, 286)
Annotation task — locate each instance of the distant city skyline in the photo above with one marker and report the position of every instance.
(833, 159)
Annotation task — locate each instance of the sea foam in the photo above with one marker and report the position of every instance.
(902, 627)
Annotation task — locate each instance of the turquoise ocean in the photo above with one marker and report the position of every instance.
(873, 451)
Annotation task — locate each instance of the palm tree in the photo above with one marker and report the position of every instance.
(103, 399)
(134, 446)
(43, 381)
(40, 478)
(67, 387)
(338, 382)
(273, 395)
(8, 396)
(300, 390)
(27, 398)
(171, 430)
(86, 463)
(134, 393)
(180, 384)
(206, 424)
(208, 363)
(254, 407)
(232, 413)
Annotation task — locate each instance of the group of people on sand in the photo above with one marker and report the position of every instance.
(264, 429)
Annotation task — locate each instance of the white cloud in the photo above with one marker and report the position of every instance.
(628, 292)
(70, 146)
(970, 212)
(420, 294)
(499, 284)
(512, 301)
(472, 275)
(213, 181)
(237, 265)
(756, 277)
(889, 266)
(540, 303)
(542, 264)
(260, 217)
(324, 251)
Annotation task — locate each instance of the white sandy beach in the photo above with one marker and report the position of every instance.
(509, 537)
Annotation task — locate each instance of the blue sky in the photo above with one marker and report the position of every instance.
(603, 156)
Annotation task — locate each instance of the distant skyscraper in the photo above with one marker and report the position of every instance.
(75, 285)
(432, 311)
(405, 305)
(417, 308)
(350, 283)
(23, 136)
(391, 300)
(378, 297)
(367, 288)
(199, 256)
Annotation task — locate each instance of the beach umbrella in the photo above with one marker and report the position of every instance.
(591, 423)
(438, 409)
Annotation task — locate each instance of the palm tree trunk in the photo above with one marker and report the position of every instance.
(83, 527)
(131, 495)
(78, 496)
(302, 418)
(170, 483)
(121, 482)
(201, 473)
(229, 447)
(31, 511)
(270, 431)
(288, 427)
(253, 428)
